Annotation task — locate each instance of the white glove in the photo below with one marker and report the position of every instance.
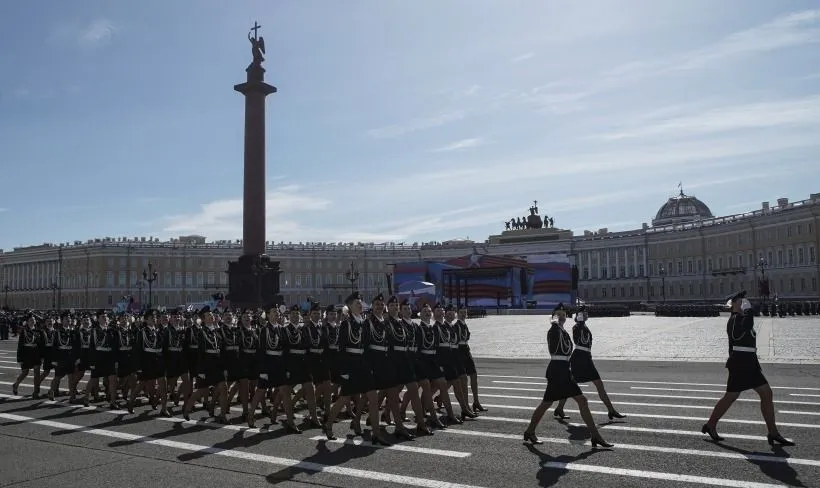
(745, 305)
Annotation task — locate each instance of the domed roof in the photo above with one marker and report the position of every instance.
(681, 209)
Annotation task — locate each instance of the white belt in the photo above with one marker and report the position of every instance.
(85, 347)
(453, 346)
(64, 348)
(334, 348)
(175, 349)
(377, 348)
(155, 351)
(30, 345)
(412, 349)
(211, 351)
(744, 349)
(249, 351)
(125, 348)
(273, 353)
(297, 351)
(353, 350)
(49, 344)
(317, 351)
(399, 348)
(559, 358)
(103, 349)
(429, 352)
(582, 348)
(232, 348)
(462, 343)
(193, 346)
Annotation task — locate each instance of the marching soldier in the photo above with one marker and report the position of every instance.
(173, 344)
(582, 367)
(745, 372)
(82, 349)
(316, 357)
(429, 367)
(210, 371)
(298, 371)
(29, 352)
(247, 370)
(149, 364)
(466, 356)
(64, 359)
(102, 361)
(46, 348)
(125, 336)
(560, 383)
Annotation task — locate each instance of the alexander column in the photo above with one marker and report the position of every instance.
(254, 278)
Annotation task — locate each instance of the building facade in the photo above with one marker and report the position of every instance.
(686, 255)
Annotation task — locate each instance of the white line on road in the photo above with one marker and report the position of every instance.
(767, 458)
(804, 395)
(796, 412)
(688, 390)
(676, 397)
(395, 447)
(369, 476)
(667, 417)
(543, 383)
(655, 475)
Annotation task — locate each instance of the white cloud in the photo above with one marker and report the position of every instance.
(93, 33)
(523, 57)
(796, 29)
(471, 91)
(414, 125)
(462, 144)
(286, 207)
(96, 32)
(3, 209)
(759, 115)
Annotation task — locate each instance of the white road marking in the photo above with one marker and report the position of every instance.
(767, 458)
(649, 395)
(369, 476)
(658, 416)
(804, 395)
(543, 382)
(655, 475)
(796, 412)
(395, 447)
(688, 390)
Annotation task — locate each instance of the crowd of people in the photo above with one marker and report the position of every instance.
(334, 361)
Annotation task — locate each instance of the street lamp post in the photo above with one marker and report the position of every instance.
(662, 272)
(54, 288)
(352, 275)
(150, 276)
(6, 296)
(763, 286)
(140, 286)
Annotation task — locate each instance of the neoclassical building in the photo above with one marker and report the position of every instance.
(685, 255)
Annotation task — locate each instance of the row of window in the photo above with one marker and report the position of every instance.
(695, 290)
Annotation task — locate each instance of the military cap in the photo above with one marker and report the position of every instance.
(736, 296)
(404, 302)
(353, 296)
(315, 307)
(295, 308)
(438, 305)
(449, 308)
(392, 299)
(330, 308)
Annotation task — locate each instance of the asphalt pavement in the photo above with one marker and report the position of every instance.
(53, 444)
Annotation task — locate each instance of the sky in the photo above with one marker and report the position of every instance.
(400, 121)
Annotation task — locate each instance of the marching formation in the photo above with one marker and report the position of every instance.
(334, 362)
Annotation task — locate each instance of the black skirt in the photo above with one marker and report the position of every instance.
(357, 377)
(210, 374)
(152, 368)
(447, 363)
(319, 371)
(102, 366)
(583, 369)
(175, 365)
(405, 370)
(297, 369)
(383, 371)
(467, 360)
(272, 373)
(560, 383)
(428, 367)
(125, 366)
(744, 374)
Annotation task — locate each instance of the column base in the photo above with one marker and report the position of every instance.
(254, 282)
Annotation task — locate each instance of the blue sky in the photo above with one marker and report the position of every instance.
(405, 121)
